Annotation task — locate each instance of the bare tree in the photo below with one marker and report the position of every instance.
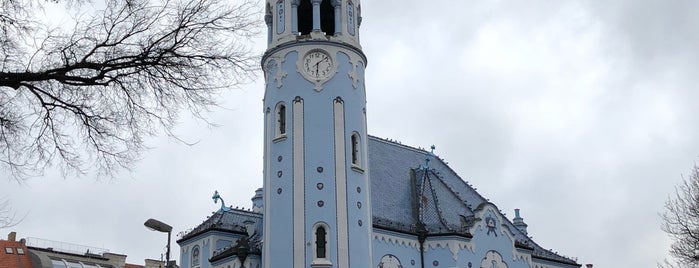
(85, 97)
(8, 218)
(681, 222)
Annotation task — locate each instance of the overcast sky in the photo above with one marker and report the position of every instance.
(583, 114)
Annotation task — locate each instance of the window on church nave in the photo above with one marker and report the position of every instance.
(320, 247)
(356, 150)
(280, 120)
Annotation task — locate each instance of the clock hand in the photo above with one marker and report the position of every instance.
(317, 68)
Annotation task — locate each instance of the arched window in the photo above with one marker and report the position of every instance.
(327, 17)
(280, 129)
(356, 147)
(305, 17)
(321, 242)
(321, 250)
(195, 257)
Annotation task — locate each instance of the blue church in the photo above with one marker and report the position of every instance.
(332, 195)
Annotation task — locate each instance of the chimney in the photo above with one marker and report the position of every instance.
(519, 222)
(12, 236)
(154, 264)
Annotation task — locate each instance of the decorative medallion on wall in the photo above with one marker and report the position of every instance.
(493, 259)
(490, 224)
(389, 261)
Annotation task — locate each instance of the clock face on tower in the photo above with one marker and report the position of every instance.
(317, 65)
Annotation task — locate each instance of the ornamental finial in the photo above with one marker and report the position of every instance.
(426, 166)
(216, 197)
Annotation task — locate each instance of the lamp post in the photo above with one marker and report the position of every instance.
(159, 226)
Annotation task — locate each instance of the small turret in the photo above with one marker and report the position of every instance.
(257, 201)
(519, 222)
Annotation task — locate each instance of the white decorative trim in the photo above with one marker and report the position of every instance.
(281, 73)
(526, 257)
(298, 184)
(302, 50)
(341, 184)
(454, 246)
(494, 259)
(267, 188)
(321, 262)
(389, 239)
(353, 75)
(502, 228)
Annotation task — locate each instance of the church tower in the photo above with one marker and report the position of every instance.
(316, 181)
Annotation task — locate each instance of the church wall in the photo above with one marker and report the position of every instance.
(207, 243)
(252, 261)
(448, 251)
(395, 248)
(493, 243)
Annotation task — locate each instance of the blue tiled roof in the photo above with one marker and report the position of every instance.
(443, 202)
(405, 195)
(234, 220)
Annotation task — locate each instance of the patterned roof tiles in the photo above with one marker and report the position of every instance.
(405, 194)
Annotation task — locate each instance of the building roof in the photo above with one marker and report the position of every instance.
(412, 190)
(13, 254)
(408, 191)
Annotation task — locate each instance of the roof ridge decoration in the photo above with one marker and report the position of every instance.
(426, 166)
(217, 197)
(398, 143)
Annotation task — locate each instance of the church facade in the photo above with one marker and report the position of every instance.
(332, 195)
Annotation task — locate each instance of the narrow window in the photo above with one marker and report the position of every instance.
(321, 242)
(355, 149)
(195, 257)
(327, 17)
(281, 120)
(305, 17)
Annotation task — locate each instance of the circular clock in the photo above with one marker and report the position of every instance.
(317, 64)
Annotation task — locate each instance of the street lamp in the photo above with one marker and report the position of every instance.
(159, 226)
